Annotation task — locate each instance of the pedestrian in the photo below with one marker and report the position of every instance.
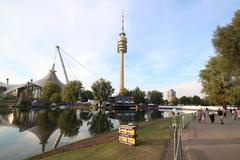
(220, 114)
(211, 115)
(234, 114)
(199, 115)
(224, 112)
(203, 116)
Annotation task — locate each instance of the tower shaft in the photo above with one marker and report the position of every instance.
(121, 71)
(122, 49)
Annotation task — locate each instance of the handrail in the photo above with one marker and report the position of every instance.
(178, 132)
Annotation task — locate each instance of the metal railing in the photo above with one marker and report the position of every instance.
(178, 132)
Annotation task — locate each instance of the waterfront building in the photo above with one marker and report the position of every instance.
(32, 88)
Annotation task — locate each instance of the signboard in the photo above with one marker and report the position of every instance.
(127, 134)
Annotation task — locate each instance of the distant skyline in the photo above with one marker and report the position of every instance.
(169, 42)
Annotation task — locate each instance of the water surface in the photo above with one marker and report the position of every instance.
(27, 133)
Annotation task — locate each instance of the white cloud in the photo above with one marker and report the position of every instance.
(162, 44)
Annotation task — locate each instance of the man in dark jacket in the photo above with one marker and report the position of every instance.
(220, 114)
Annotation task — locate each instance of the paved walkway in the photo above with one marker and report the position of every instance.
(213, 141)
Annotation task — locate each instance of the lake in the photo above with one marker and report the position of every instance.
(27, 133)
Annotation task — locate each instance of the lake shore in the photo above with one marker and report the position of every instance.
(112, 138)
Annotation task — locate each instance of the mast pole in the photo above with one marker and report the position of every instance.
(64, 69)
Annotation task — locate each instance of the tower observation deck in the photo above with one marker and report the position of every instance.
(122, 48)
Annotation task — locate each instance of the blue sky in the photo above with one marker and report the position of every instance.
(169, 42)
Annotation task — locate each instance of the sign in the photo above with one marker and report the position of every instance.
(127, 134)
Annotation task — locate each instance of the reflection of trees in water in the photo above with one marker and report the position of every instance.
(100, 123)
(86, 116)
(69, 123)
(46, 121)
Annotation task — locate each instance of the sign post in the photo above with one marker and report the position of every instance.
(127, 134)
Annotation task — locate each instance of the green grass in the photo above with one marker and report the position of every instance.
(151, 143)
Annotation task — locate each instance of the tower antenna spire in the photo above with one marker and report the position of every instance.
(122, 20)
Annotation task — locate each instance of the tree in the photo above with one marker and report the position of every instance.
(174, 101)
(86, 95)
(71, 91)
(55, 98)
(217, 80)
(155, 97)
(102, 90)
(139, 95)
(185, 100)
(226, 41)
(125, 92)
(49, 89)
(196, 100)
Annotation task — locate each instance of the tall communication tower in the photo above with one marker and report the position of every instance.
(122, 48)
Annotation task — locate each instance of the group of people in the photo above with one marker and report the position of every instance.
(222, 114)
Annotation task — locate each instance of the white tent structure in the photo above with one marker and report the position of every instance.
(34, 87)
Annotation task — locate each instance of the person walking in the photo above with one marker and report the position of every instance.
(211, 115)
(234, 114)
(224, 110)
(199, 115)
(203, 116)
(220, 114)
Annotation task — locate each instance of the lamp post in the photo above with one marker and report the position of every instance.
(31, 88)
(28, 90)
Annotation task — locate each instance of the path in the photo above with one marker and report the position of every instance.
(213, 141)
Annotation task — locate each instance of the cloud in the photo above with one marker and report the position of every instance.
(168, 42)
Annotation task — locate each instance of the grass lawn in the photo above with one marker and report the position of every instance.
(151, 143)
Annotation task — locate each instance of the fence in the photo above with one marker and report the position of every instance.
(178, 132)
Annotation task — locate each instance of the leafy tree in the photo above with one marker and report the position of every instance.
(185, 100)
(174, 101)
(86, 95)
(155, 97)
(125, 92)
(49, 89)
(226, 41)
(216, 80)
(166, 102)
(55, 98)
(196, 100)
(102, 90)
(139, 95)
(221, 77)
(71, 91)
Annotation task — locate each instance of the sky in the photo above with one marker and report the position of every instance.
(169, 42)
